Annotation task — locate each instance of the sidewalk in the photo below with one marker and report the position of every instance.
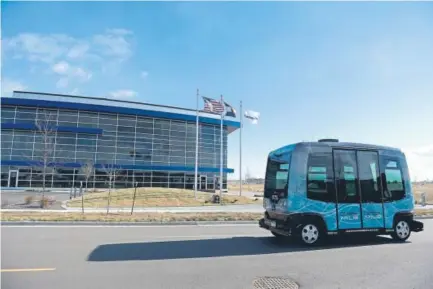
(202, 209)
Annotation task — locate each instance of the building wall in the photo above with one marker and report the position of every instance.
(151, 151)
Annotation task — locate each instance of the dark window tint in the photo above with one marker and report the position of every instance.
(277, 175)
(8, 112)
(368, 166)
(345, 173)
(320, 178)
(394, 186)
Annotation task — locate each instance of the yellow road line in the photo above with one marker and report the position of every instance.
(28, 270)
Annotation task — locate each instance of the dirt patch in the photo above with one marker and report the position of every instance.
(420, 188)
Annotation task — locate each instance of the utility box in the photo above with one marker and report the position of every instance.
(215, 199)
(423, 199)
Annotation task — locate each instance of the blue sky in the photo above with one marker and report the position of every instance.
(359, 72)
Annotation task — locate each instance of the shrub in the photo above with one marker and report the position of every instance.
(47, 201)
(28, 200)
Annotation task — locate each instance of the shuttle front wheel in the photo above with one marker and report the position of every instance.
(310, 234)
(401, 231)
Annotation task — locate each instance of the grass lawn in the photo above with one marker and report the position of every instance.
(156, 197)
(258, 188)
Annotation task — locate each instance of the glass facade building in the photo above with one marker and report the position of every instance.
(148, 144)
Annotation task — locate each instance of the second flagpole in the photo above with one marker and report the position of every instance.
(221, 151)
(240, 150)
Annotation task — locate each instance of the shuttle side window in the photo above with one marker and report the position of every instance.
(369, 177)
(277, 175)
(393, 180)
(320, 178)
(346, 176)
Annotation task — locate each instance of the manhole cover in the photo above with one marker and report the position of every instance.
(274, 283)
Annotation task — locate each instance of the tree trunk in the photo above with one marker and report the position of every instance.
(109, 193)
(43, 187)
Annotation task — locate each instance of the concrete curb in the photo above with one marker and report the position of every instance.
(108, 223)
(424, 217)
(174, 210)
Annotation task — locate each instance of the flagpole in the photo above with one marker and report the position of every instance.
(196, 148)
(221, 151)
(240, 150)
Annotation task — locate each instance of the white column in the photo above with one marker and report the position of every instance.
(196, 148)
(221, 151)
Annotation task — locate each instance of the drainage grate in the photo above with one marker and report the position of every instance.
(274, 283)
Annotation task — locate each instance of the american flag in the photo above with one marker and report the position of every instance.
(213, 105)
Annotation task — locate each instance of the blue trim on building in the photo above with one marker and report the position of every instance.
(32, 126)
(113, 109)
(120, 166)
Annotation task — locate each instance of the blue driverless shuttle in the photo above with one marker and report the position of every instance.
(315, 189)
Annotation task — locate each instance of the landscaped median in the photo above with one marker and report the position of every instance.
(155, 197)
(143, 217)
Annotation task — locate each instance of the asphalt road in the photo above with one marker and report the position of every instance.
(204, 257)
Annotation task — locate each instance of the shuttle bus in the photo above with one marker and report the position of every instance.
(316, 189)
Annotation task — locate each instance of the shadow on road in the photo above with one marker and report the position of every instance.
(205, 248)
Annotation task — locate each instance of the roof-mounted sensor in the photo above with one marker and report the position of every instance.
(328, 140)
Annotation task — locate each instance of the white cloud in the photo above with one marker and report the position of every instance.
(62, 82)
(144, 74)
(8, 86)
(114, 43)
(67, 56)
(61, 67)
(123, 93)
(70, 73)
(420, 162)
(81, 73)
(36, 47)
(78, 51)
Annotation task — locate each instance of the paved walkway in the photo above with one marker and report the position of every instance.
(202, 209)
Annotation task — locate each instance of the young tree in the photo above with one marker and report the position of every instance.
(88, 170)
(247, 175)
(111, 171)
(46, 130)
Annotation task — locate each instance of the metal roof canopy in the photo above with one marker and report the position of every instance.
(26, 98)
